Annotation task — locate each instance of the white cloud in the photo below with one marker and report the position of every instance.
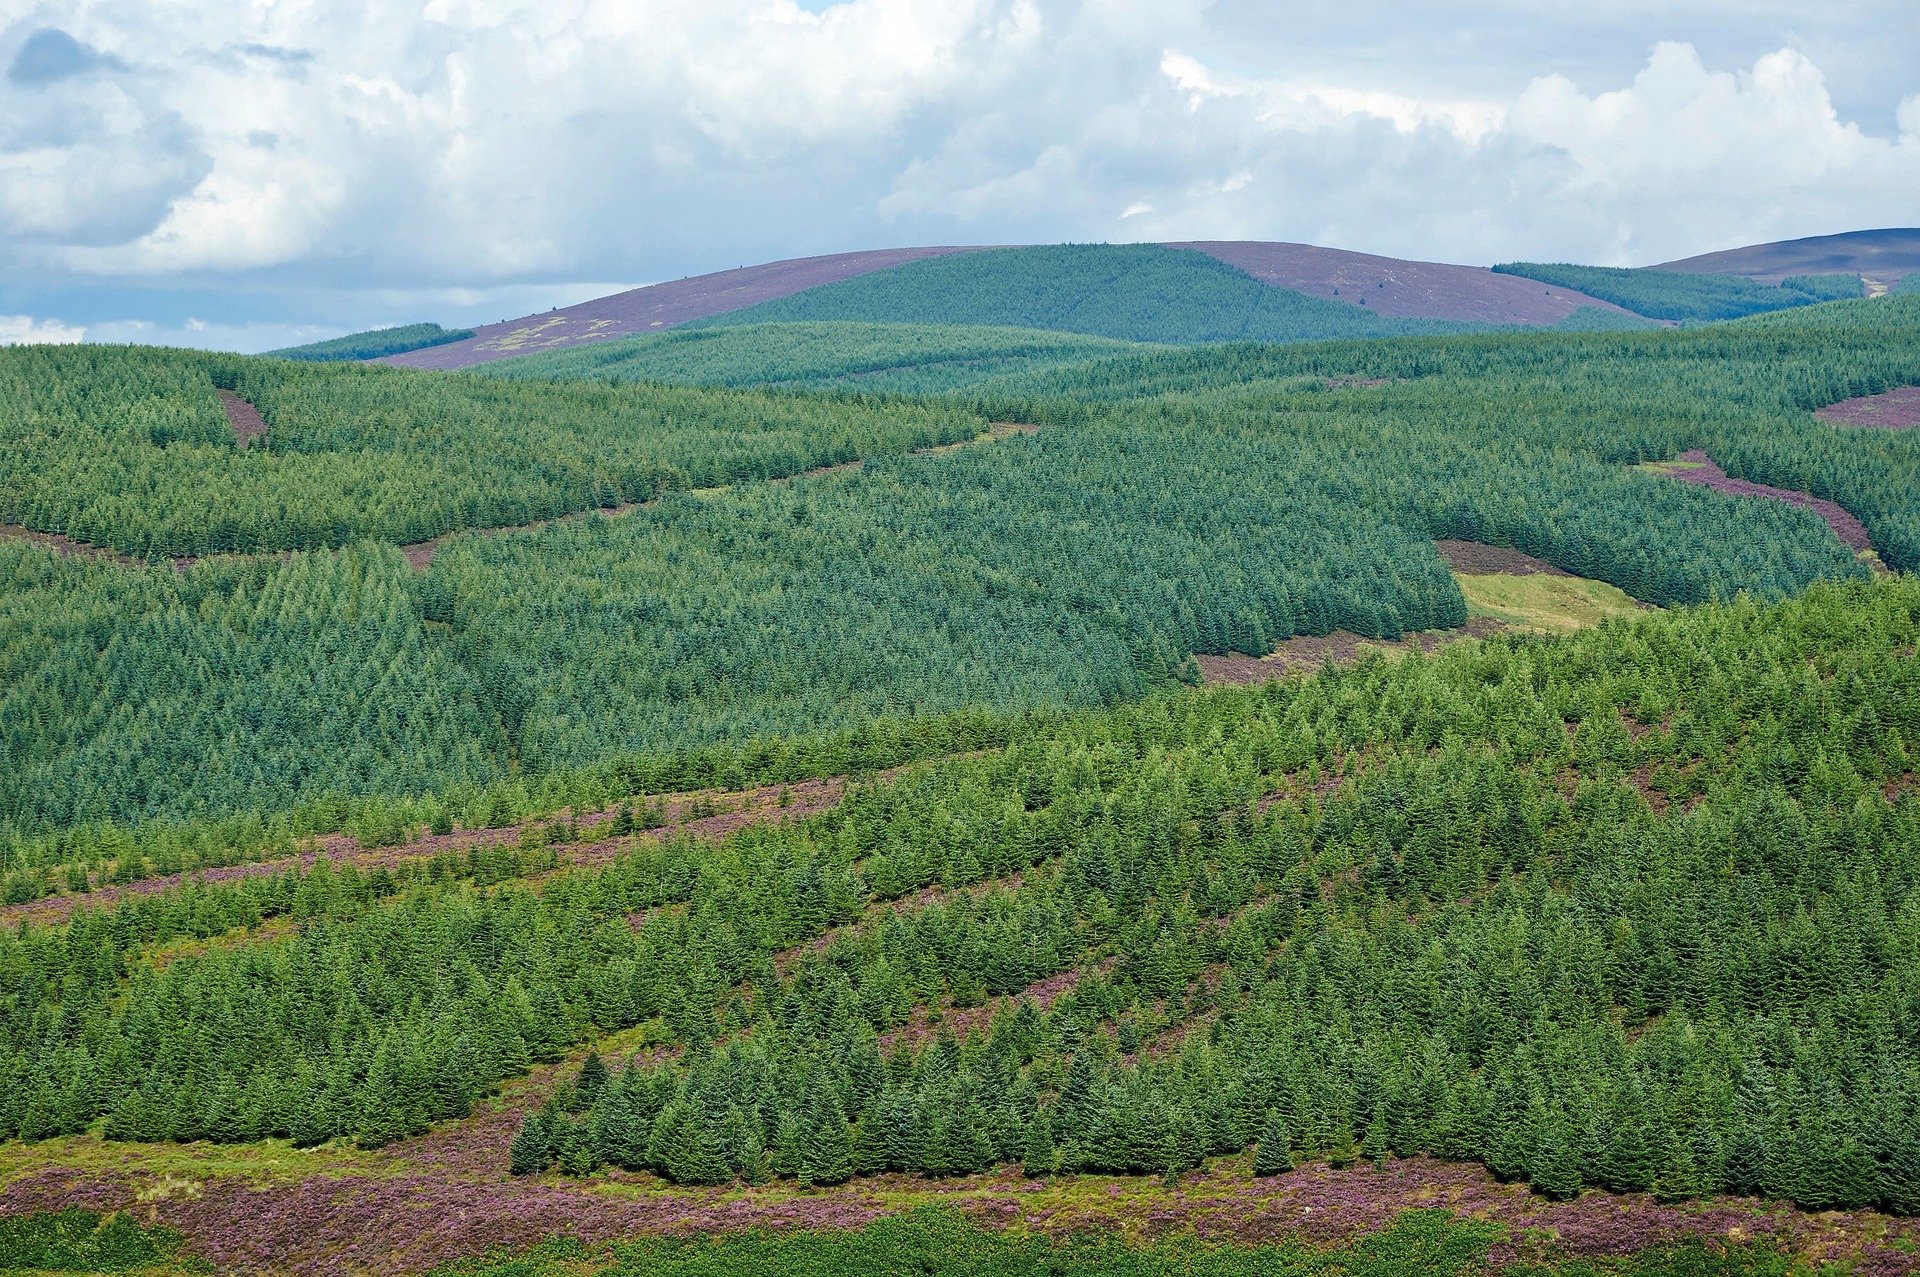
(25, 330)
(1908, 116)
(462, 152)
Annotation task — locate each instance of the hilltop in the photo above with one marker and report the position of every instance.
(1382, 286)
(1882, 257)
(1327, 293)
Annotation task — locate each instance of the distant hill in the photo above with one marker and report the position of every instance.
(1402, 289)
(374, 343)
(660, 306)
(1882, 258)
(1382, 286)
(1132, 292)
(1680, 296)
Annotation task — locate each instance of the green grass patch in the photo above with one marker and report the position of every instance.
(81, 1241)
(1545, 604)
(936, 1240)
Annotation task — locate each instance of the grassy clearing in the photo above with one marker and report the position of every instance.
(1545, 604)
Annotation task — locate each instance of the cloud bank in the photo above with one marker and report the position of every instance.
(369, 158)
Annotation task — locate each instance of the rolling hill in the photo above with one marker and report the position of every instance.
(658, 306)
(1384, 287)
(1402, 289)
(809, 818)
(1881, 257)
(1381, 286)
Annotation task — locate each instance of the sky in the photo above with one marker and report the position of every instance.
(243, 174)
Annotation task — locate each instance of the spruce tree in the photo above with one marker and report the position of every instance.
(1274, 1154)
(1554, 1169)
(592, 1079)
(870, 1140)
(530, 1153)
(1040, 1157)
(826, 1142)
(617, 1135)
(1746, 1166)
(1899, 1174)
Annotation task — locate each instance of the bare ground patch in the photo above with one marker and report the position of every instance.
(1471, 558)
(245, 419)
(1897, 409)
(1306, 653)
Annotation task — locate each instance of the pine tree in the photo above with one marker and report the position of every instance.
(617, 1135)
(1040, 1157)
(1900, 1172)
(592, 1079)
(1629, 1161)
(870, 1139)
(904, 1134)
(746, 1147)
(1554, 1169)
(1274, 1154)
(1746, 1167)
(685, 1147)
(826, 1142)
(530, 1152)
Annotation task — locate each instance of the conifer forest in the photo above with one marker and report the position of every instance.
(1056, 760)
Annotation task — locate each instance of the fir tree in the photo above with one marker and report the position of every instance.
(592, 1079)
(530, 1152)
(1040, 1158)
(826, 1142)
(617, 1135)
(1274, 1154)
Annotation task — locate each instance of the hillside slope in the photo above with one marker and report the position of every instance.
(1401, 289)
(657, 306)
(1134, 292)
(1883, 257)
(1383, 286)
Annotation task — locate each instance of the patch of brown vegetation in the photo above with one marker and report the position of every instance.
(658, 306)
(400, 1210)
(1293, 787)
(1395, 287)
(1897, 409)
(1307, 653)
(1702, 470)
(62, 544)
(1636, 729)
(1472, 558)
(245, 419)
(709, 815)
(1909, 783)
(928, 1023)
(1642, 780)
